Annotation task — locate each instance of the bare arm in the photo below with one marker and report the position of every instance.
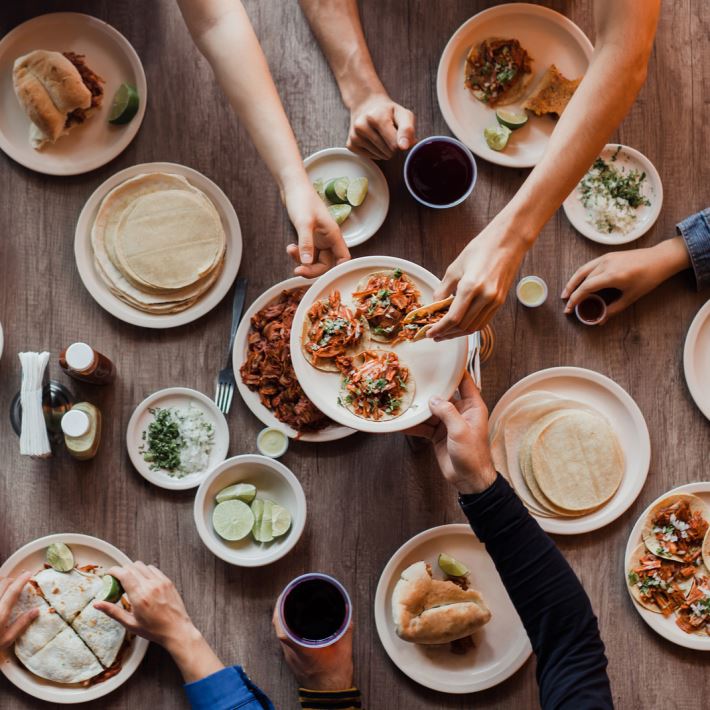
(483, 273)
(378, 125)
(223, 33)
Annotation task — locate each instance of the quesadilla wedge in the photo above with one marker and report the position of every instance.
(332, 332)
(29, 599)
(68, 592)
(39, 633)
(100, 633)
(675, 528)
(416, 323)
(377, 387)
(552, 94)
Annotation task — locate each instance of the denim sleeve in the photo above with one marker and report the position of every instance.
(695, 230)
(228, 689)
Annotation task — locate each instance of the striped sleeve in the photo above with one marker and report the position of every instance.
(329, 699)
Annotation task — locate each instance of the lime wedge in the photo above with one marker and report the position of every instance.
(111, 590)
(319, 187)
(497, 137)
(239, 491)
(263, 532)
(232, 520)
(357, 191)
(340, 212)
(125, 105)
(60, 557)
(336, 190)
(511, 119)
(454, 568)
(280, 520)
(257, 508)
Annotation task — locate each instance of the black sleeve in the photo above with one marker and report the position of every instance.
(553, 606)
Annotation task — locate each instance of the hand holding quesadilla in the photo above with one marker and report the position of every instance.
(16, 614)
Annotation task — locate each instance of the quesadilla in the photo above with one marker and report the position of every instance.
(39, 633)
(29, 599)
(68, 592)
(552, 94)
(100, 633)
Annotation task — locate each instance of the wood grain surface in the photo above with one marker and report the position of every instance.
(366, 495)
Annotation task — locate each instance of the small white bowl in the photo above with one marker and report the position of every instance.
(272, 480)
(533, 279)
(260, 442)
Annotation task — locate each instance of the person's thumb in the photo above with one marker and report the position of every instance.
(448, 415)
(405, 127)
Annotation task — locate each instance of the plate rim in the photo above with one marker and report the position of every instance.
(140, 644)
(574, 526)
(647, 615)
(380, 603)
(332, 433)
(134, 60)
(110, 303)
(540, 10)
(691, 339)
(586, 230)
(162, 480)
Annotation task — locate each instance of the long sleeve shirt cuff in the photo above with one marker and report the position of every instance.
(228, 689)
(695, 231)
(329, 699)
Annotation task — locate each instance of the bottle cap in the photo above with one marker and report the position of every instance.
(75, 423)
(79, 356)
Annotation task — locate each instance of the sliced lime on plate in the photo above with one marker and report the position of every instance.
(60, 557)
(111, 590)
(497, 137)
(280, 520)
(239, 491)
(263, 532)
(357, 191)
(511, 119)
(232, 520)
(340, 212)
(452, 567)
(319, 187)
(125, 105)
(336, 190)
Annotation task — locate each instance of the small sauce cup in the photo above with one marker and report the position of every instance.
(592, 310)
(531, 291)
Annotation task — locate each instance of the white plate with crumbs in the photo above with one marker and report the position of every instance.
(109, 54)
(87, 550)
(186, 401)
(500, 648)
(696, 359)
(548, 37)
(610, 220)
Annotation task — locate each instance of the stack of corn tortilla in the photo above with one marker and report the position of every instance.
(561, 456)
(158, 243)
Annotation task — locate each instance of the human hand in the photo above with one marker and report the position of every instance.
(320, 241)
(379, 127)
(10, 590)
(329, 668)
(459, 432)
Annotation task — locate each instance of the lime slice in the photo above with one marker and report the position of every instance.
(239, 491)
(497, 137)
(511, 119)
(357, 191)
(340, 212)
(263, 533)
(111, 590)
(232, 520)
(125, 105)
(280, 520)
(336, 190)
(60, 557)
(319, 187)
(257, 508)
(454, 568)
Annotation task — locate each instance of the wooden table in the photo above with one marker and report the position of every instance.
(366, 495)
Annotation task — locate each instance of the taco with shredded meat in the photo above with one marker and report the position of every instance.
(418, 321)
(675, 528)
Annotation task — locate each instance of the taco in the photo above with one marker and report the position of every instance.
(705, 551)
(332, 334)
(655, 583)
(385, 297)
(377, 387)
(675, 528)
(416, 323)
(693, 617)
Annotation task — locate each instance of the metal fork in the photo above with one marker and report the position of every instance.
(225, 379)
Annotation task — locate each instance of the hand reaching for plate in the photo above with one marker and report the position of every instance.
(459, 432)
(10, 590)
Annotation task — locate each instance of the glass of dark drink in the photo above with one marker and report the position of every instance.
(591, 310)
(440, 172)
(315, 610)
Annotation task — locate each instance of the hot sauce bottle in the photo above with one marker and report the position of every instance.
(82, 362)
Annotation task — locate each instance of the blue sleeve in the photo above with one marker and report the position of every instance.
(551, 602)
(228, 689)
(695, 230)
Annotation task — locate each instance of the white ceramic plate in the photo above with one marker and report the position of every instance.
(365, 220)
(502, 646)
(101, 293)
(87, 550)
(175, 397)
(696, 359)
(548, 37)
(272, 480)
(109, 54)
(652, 188)
(626, 419)
(436, 367)
(251, 398)
(666, 626)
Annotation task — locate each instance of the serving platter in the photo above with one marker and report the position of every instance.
(109, 54)
(666, 626)
(100, 292)
(142, 417)
(652, 189)
(696, 358)
(87, 550)
(626, 419)
(251, 398)
(501, 646)
(549, 38)
(435, 367)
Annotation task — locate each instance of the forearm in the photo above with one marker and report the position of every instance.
(669, 258)
(193, 655)
(337, 27)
